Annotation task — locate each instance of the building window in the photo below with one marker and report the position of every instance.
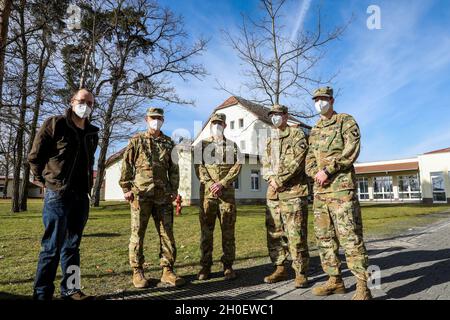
(242, 145)
(438, 186)
(231, 125)
(254, 176)
(363, 188)
(409, 187)
(382, 188)
(241, 123)
(236, 183)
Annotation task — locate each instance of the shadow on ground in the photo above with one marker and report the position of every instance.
(248, 284)
(425, 277)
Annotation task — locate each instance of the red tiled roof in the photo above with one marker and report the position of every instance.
(261, 112)
(405, 166)
(439, 151)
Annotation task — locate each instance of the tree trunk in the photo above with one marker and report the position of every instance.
(101, 167)
(6, 173)
(85, 66)
(5, 10)
(5, 187)
(22, 113)
(43, 62)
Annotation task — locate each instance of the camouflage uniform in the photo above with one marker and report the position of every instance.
(148, 171)
(223, 170)
(287, 210)
(334, 146)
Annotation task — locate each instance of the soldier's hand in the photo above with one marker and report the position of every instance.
(129, 196)
(216, 187)
(321, 178)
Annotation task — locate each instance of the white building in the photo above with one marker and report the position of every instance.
(34, 189)
(247, 125)
(425, 178)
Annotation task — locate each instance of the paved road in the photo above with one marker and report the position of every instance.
(413, 266)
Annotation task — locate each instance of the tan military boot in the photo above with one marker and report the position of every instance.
(139, 280)
(301, 280)
(332, 286)
(362, 291)
(204, 273)
(169, 278)
(279, 274)
(229, 273)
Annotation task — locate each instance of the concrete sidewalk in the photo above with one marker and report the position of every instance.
(413, 266)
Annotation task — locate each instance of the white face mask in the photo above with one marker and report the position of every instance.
(82, 110)
(217, 130)
(155, 124)
(322, 106)
(277, 120)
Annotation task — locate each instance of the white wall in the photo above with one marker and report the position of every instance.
(112, 189)
(244, 191)
(246, 133)
(190, 185)
(428, 163)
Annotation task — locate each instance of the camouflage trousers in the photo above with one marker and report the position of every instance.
(225, 212)
(337, 221)
(141, 211)
(287, 225)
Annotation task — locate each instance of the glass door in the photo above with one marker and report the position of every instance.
(438, 186)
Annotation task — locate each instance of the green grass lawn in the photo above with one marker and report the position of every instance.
(104, 249)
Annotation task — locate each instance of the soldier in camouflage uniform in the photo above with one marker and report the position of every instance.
(287, 204)
(149, 180)
(217, 171)
(334, 146)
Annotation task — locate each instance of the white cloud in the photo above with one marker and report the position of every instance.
(303, 10)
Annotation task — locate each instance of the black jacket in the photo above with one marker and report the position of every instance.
(55, 150)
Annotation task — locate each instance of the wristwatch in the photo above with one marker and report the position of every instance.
(326, 172)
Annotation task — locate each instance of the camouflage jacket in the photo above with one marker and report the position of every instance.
(284, 162)
(148, 169)
(223, 167)
(334, 144)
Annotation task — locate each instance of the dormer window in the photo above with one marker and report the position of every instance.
(241, 123)
(231, 125)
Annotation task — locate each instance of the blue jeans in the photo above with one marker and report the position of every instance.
(64, 216)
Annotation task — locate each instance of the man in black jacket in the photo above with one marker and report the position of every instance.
(62, 159)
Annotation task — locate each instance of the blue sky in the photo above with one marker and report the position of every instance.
(395, 81)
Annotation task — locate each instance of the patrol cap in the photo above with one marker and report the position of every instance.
(278, 108)
(218, 117)
(323, 92)
(158, 112)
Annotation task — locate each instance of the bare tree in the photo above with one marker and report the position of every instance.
(29, 49)
(23, 53)
(6, 153)
(143, 46)
(279, 65)
(5, 10)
